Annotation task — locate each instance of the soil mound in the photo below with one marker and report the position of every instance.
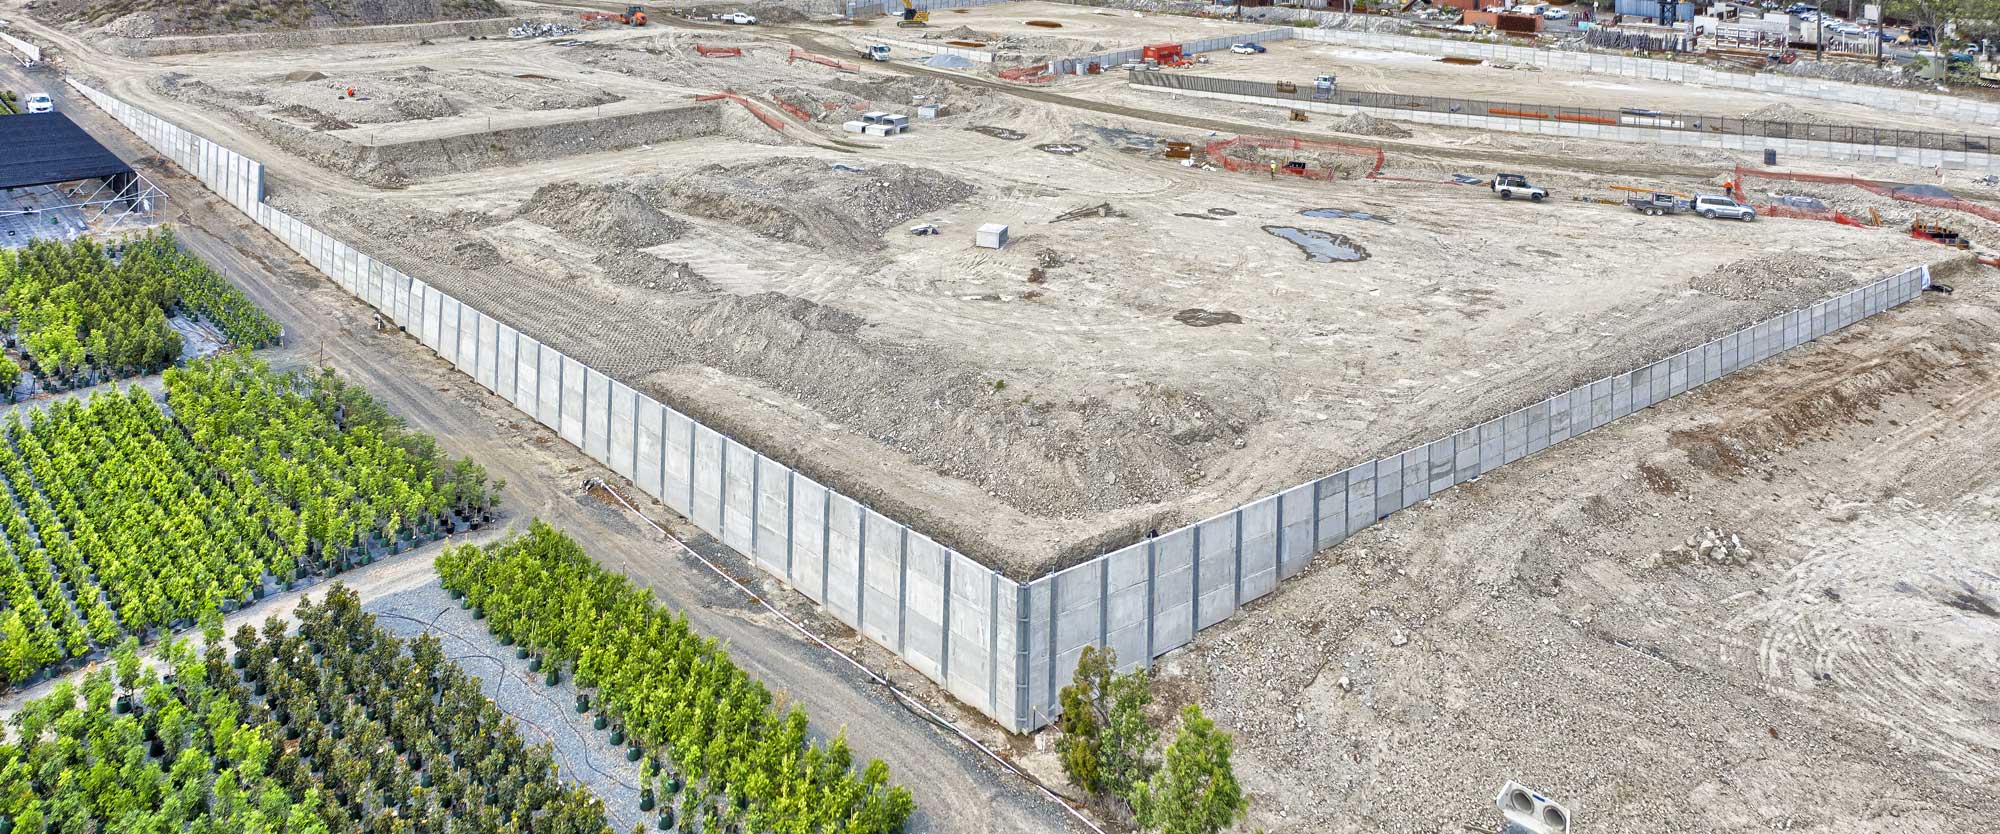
(1782, 112)
(807, 202)
(1777, 276)
(1362, 124)
(608, 216)
(153, 18)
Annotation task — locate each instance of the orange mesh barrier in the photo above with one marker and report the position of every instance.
(1035, 74)
(1886, 189)
(1217, 152)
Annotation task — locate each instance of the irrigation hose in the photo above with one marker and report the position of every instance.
(909, 702)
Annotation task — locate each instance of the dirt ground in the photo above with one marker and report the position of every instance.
(1771, 605)
(1081, 30)
(1032, 406)
(1386, 71)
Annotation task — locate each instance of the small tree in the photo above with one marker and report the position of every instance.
(1196, 791)
(1105, 732)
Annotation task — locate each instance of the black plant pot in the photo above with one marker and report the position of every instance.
(598, 723)
(645, 801)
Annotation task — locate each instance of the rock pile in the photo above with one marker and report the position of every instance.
(1710, 546)
(1362, 124)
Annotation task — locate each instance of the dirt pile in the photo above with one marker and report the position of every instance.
(806, 201)
(1787, 276)
(1782, 112)
(1363, 124)
(154, 18)
(608, 216)
(1853, 73)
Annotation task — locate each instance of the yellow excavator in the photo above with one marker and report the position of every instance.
(912, 17)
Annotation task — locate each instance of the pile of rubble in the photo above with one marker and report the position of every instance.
(536, 29)
(1889, 76)
(1710, 546)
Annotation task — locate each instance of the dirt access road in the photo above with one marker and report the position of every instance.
(956, 790)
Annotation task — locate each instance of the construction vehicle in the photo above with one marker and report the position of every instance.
(875, 52)
(1938, 234)
(1656, 203)
(912, 17)
(632, 16)
(1509, 186)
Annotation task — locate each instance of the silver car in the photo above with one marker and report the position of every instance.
(1713, 206)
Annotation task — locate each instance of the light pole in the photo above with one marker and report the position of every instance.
(1819, 33)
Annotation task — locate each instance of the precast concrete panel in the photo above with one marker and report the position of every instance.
(1127, 596)
(1601, 409)
(467, 356)
(809, 538)
(707, 503)
(1215, 569)
(843, 558)
(1332, 511)
(1443, 470)
(572, 403)
(771, 542)
(924, 612)
(596, 415)
(1538, 427)
(528, 376)
(1173, 590)
(433, 322)
(1388, 485)
(1559, 409)
(1677, 374)
(1298, 512)
(970, 629)
(620, 452)
(1361, 496)
(1040, 634)
(1009, 665)
(649, 448)
(1260, 556)
(1416, 477)
(739, 496)
(882, 585)
(506, 362)
(1079, 601)
(399, 292)
(679, 471)
(488, 361)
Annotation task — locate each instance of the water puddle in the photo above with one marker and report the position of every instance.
(1127, 139)
(1335, 214)
(1060, 148)
(1321, 247)
(1197, 317)
(1222, 212)
(1008, 134)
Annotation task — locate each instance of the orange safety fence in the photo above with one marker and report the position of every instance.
(1032, 74)
(1217, 152)
(796, 111)
(821, 60)
(719, 51)
(1596, 120)
(1891, 190)
(1797, 213)
(768, 119)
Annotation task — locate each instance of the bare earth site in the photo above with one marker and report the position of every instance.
(1770, 604)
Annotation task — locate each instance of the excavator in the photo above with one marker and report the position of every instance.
(912, 17)
(633, 16)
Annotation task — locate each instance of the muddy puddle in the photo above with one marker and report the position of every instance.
(1060, 148)
(1198, 317)
(1008, 134)
(1336, 214)
(1321, 247)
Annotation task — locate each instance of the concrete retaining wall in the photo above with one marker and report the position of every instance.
(1963, 110)
(27, 50)
(1981, 163)
(1004, 647)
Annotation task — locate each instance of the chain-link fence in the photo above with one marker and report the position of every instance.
(1628, 117)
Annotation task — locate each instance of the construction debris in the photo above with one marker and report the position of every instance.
(1099, 210)
(533, 29)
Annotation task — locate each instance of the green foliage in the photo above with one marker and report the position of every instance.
(1105, 732)
(672, 690)
(149, 520)
(316, 753)
(74, 309)
(1195, 791)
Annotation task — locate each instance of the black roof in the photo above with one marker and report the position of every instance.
(48, 148)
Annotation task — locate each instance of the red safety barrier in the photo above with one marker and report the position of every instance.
(719, 51)
(821, 60)
(769, 120)
(1217, 152)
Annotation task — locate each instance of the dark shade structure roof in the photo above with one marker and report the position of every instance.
(48, 148)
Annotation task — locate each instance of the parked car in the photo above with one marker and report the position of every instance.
(39, 103)
(1247, 48)
(1713, 206)
(1555, 14)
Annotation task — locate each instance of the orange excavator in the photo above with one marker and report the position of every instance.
(633, 16)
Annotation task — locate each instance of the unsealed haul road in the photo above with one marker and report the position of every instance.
(956, 789)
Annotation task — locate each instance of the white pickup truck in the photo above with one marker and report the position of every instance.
(738, 18)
